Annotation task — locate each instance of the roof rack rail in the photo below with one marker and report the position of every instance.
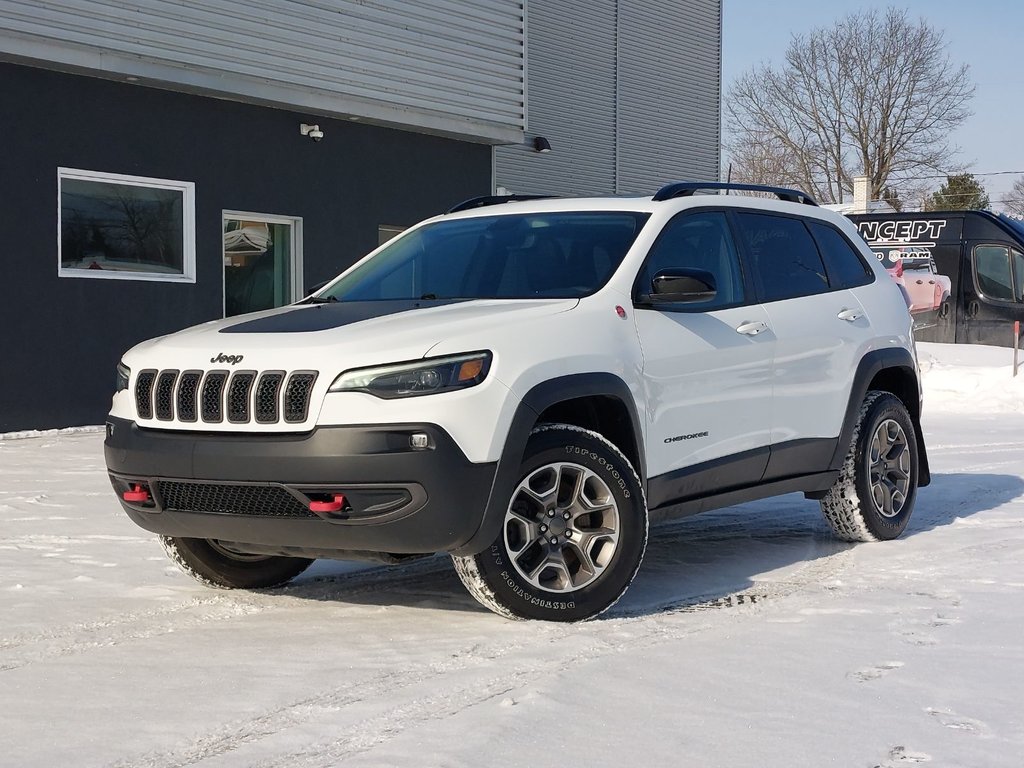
(480, 202)
(688, 188)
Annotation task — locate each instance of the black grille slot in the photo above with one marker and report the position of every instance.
(188, 388)
(231, 499)
(296, 396)
(266, 397)
(163, 395)
(238, 396)
(212, 399)
(144, 394)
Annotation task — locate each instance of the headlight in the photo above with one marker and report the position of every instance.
(123, 374)
(423, 377)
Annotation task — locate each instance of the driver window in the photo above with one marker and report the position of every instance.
(1018, 273)
(992, 271)
(698, 241)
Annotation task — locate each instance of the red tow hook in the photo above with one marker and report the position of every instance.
(137, 494)
(328, 506)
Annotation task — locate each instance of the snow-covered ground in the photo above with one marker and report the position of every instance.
(750, 638)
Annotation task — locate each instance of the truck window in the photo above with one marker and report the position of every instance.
(994, 273)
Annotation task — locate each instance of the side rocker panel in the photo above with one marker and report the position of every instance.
(534, 403)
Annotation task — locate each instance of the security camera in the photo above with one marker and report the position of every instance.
(313, 131)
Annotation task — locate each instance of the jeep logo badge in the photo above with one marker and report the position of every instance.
(222, 358)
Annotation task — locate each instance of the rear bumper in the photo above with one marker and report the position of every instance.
(256, 488)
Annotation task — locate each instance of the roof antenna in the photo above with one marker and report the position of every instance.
(728, 178)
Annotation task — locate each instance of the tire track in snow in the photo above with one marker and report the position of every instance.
(81, 637)
(541, 656)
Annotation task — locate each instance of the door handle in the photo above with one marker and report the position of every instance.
(973, 308)
(850, 314)
(752, 329)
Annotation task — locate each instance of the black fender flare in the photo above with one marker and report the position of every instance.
(871, 365)
(534, 403)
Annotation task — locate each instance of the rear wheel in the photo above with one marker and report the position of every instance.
(574, 531)
(214, 564)
(873, 498)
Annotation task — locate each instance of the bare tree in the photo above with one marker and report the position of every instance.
(1014, 201)
(873, 95)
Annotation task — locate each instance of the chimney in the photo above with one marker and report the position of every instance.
(860, 194)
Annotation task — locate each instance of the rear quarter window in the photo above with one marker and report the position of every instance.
(846, 267)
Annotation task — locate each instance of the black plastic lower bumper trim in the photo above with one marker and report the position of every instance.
(252, 487)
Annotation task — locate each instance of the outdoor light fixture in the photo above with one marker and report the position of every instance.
(313, 131)
(541, 144)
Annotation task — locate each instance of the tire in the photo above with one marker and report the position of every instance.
(211, 563)
(874, 496)
(574, 532)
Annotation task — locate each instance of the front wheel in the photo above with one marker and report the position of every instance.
(214, 564)
(873, 498)
(573, 535)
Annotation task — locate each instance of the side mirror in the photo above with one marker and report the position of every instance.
(678, 285)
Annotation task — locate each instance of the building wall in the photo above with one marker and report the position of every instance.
(60, 338)
(447, 66)
(628, 92)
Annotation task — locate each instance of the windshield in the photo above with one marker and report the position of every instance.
(512, 256)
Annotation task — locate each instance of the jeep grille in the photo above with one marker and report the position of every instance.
(239, 397)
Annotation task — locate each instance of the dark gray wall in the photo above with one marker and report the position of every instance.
(60, 338)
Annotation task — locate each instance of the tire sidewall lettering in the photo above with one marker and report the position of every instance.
(576, 450)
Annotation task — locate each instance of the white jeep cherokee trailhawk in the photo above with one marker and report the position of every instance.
(523, 383)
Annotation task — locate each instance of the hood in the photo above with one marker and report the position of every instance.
(337, 335)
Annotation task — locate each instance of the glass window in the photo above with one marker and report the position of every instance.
(846, 269)
(1018, 273)
(260, 262)
(698, 241)
(993, 272)
(537, 255)
(125, 227)
(785, 260)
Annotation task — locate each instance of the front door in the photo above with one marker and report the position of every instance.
(261, 262)
(707, 367)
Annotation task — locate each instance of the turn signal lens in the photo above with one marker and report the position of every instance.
(470, 369)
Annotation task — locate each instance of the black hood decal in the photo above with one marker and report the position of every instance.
(322, 317)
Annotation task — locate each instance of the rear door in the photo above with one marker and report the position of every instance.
(820, 326)
(707, 366)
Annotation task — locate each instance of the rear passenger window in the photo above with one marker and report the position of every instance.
(846, 268)
(784, 258)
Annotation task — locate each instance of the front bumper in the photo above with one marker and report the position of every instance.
(256, 488)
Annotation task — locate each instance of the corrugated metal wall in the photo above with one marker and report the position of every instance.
(669, 92)
(628, 92)
(446, 66)
(570, 100)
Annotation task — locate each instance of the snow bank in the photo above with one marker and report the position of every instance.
(970, 378)
(50, 432)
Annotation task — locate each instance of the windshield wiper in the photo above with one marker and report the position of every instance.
(320, 300)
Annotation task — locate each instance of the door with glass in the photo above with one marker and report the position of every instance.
(262, 262)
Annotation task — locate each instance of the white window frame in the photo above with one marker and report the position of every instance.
(188, 222)
(298, 291)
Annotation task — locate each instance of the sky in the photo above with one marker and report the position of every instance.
(988, 37)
